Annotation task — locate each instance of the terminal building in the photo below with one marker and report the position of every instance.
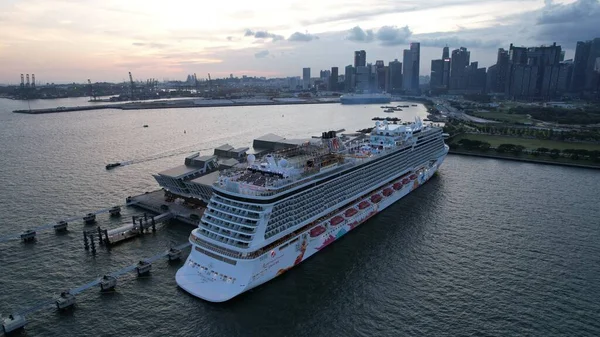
(193, 180)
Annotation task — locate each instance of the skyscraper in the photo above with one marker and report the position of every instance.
(533, 72)
(591, 75)
(460, 61)
(333, 79)
(582, 54)
(305, 78)
(437, 74)
(360, 58)
(395, 69)
(380, 75)
(446, 53)
(411, 64)
(349, 72)
(499, 83)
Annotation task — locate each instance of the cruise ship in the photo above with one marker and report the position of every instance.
(365, 98)
(271, 211)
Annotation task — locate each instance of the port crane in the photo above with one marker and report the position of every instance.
(132, 84)
(92, 93)
(209, 83)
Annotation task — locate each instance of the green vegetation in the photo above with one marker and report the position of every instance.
(559, 115)
(528, 143)
(502, 117)
(525, 148)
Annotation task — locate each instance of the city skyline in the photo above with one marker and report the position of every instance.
(65, 41)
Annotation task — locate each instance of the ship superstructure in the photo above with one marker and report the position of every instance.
(275, 210)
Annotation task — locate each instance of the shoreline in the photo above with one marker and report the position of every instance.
(168, 105)
(527, 160)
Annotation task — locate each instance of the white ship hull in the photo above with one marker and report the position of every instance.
(217, 281)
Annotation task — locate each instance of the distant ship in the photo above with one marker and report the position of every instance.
(365, 98)
(270, 213)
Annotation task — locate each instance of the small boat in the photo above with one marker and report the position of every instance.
(350, 212)
(113, 165)
(387, 192)
(413, 105)
(388, 110)
(336, 220)
(145, 125)
(397, 186)
(317, 231)
(376, 198)
(364, 204)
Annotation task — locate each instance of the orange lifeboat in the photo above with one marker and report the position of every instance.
(350, 212)
(317, 231)
(387, 192)
(336, 220)
(405, 181)
(376, 198)
(413, 177)
(364, 204)
(397, 186)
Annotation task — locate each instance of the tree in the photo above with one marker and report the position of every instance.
(554, 153)
(543, 150)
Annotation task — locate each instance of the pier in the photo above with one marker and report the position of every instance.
(67, 299)
(60, 226)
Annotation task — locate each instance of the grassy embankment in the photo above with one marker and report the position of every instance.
(530, 149)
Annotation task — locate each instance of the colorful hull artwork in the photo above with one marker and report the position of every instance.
(297, 249)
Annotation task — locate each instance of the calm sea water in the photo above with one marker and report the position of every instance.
(486, 248)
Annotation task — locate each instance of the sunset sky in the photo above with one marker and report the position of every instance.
(73, 40)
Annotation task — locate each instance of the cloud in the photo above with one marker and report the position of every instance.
(261, 54)
(386, 35)
(302, 37)
(263, 34)
(357, 34)
(151, 45)
(567, 23)
(230, 38)
(455, 41)
(393, 36)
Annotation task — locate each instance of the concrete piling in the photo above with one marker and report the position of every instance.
(85, 241)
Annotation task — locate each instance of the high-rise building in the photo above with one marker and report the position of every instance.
(499, 83)
(407, 75)
(363, 75)
(333, 79)
(349, 74)
(446, 53)
(437, 74)
(360, 58)
(476, 78)
(305, 78)
(395, 70)
(582, 54)
(460, 61)
(324, 75)
(379, 75)
(446, 73)
(491, 79)
(591, 78)
(411, 64)
(533, 72)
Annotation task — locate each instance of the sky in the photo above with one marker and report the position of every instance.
(73, 40)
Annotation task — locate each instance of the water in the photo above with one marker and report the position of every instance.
(486, 248)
